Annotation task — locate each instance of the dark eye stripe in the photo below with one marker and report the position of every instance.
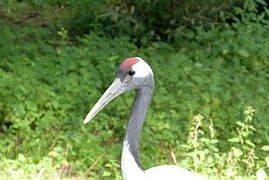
(131, 72)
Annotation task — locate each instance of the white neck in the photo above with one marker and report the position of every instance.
(129, 167)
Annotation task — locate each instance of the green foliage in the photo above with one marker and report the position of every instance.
(209, 112)
(147, 20)
(143, 20)
(241, 161)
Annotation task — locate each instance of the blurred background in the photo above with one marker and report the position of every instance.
(210, 110)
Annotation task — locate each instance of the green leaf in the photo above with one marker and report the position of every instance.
(243, 53)
(106, 173)
(234, 140)
(241, 124)
(250, 143)
(265, 148)
(261, 2)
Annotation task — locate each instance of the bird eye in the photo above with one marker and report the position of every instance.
(131, 72)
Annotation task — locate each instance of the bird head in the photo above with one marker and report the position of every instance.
(133, 73)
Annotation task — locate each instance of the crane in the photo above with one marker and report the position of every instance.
(135, 73)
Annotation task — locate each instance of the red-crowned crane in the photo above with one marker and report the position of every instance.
(135, 73)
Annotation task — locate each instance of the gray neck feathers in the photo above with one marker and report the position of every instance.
(136, 120)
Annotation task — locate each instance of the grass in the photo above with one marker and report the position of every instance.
(209, 112)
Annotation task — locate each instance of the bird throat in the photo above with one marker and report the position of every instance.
(130, 156)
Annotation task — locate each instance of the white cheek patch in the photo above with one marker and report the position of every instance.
(141, 68)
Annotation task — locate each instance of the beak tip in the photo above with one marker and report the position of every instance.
(87, 118)
(85, 121)
(111, 93)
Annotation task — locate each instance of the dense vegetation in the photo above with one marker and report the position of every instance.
(209, 112)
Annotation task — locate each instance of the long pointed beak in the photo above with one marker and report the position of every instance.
(114, 90)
